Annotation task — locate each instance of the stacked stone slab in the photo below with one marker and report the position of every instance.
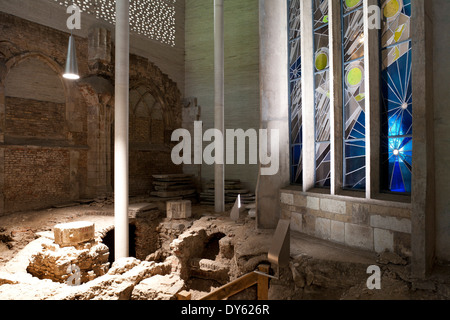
(174, 187)
(233, 188)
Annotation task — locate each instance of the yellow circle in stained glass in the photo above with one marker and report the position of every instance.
(321, 61)
(391, 8)
(352, 3)
(354, 77)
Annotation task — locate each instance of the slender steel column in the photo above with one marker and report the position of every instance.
(219, 101)
(121, 189)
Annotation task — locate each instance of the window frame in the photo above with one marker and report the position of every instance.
(372, 61)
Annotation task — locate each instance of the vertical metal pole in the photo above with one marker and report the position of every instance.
(219, 99)
(121, 189)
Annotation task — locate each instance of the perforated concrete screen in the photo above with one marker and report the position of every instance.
(154, 19)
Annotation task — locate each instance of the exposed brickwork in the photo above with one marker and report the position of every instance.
(30, 118)
(35, 178)
(56, 152)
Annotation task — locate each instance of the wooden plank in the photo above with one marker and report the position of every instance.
(263, 283)
(184, 295)
(233, 288)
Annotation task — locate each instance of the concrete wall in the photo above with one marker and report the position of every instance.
(241, 71)
(441, 12)
(274, 106)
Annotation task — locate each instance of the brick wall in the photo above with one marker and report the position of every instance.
(370, 225)
(31, 118)
(56, 136)
(35, 178)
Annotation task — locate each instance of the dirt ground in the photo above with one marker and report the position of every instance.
(19, 229)
(318, 269)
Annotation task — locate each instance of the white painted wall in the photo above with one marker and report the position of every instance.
(241, 71)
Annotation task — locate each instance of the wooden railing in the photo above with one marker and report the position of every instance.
(260, 279)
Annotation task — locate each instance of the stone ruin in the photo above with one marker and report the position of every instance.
(189, 255)
(186, 255)
(74, 252)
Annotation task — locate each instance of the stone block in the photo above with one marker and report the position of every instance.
(296, 221)
(71, 234)
(309, 224)
(390, 211)
(338, 231)
(180, 209)
(158, 288)
(323, 228)
(313, 203)
(226, 247)
(360, 214)
(391, 223)
(142, 207)
(299, 200)
(383, 240)
(287, 198)
(210, 270)
(334, 206)
(359, 236)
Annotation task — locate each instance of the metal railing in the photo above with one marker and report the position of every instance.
(259, 278)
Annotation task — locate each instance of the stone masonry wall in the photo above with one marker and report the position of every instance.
(57, 136)
(370, 225)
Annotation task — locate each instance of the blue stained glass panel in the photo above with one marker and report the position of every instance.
(296, 172)
(354, 95)
(399, 164)
(355, 164)
(294, 19)
(295, 91)
(396, 91)
(296, 112)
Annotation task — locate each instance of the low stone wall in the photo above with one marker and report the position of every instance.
(373, 225)
(55, 263)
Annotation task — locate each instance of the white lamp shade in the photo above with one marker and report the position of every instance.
(71, 70)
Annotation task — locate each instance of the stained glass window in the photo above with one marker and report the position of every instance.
(295, 87)
(322, 93)
(354, 94)
(396, 113)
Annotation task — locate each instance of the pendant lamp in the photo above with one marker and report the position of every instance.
(71, 70)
